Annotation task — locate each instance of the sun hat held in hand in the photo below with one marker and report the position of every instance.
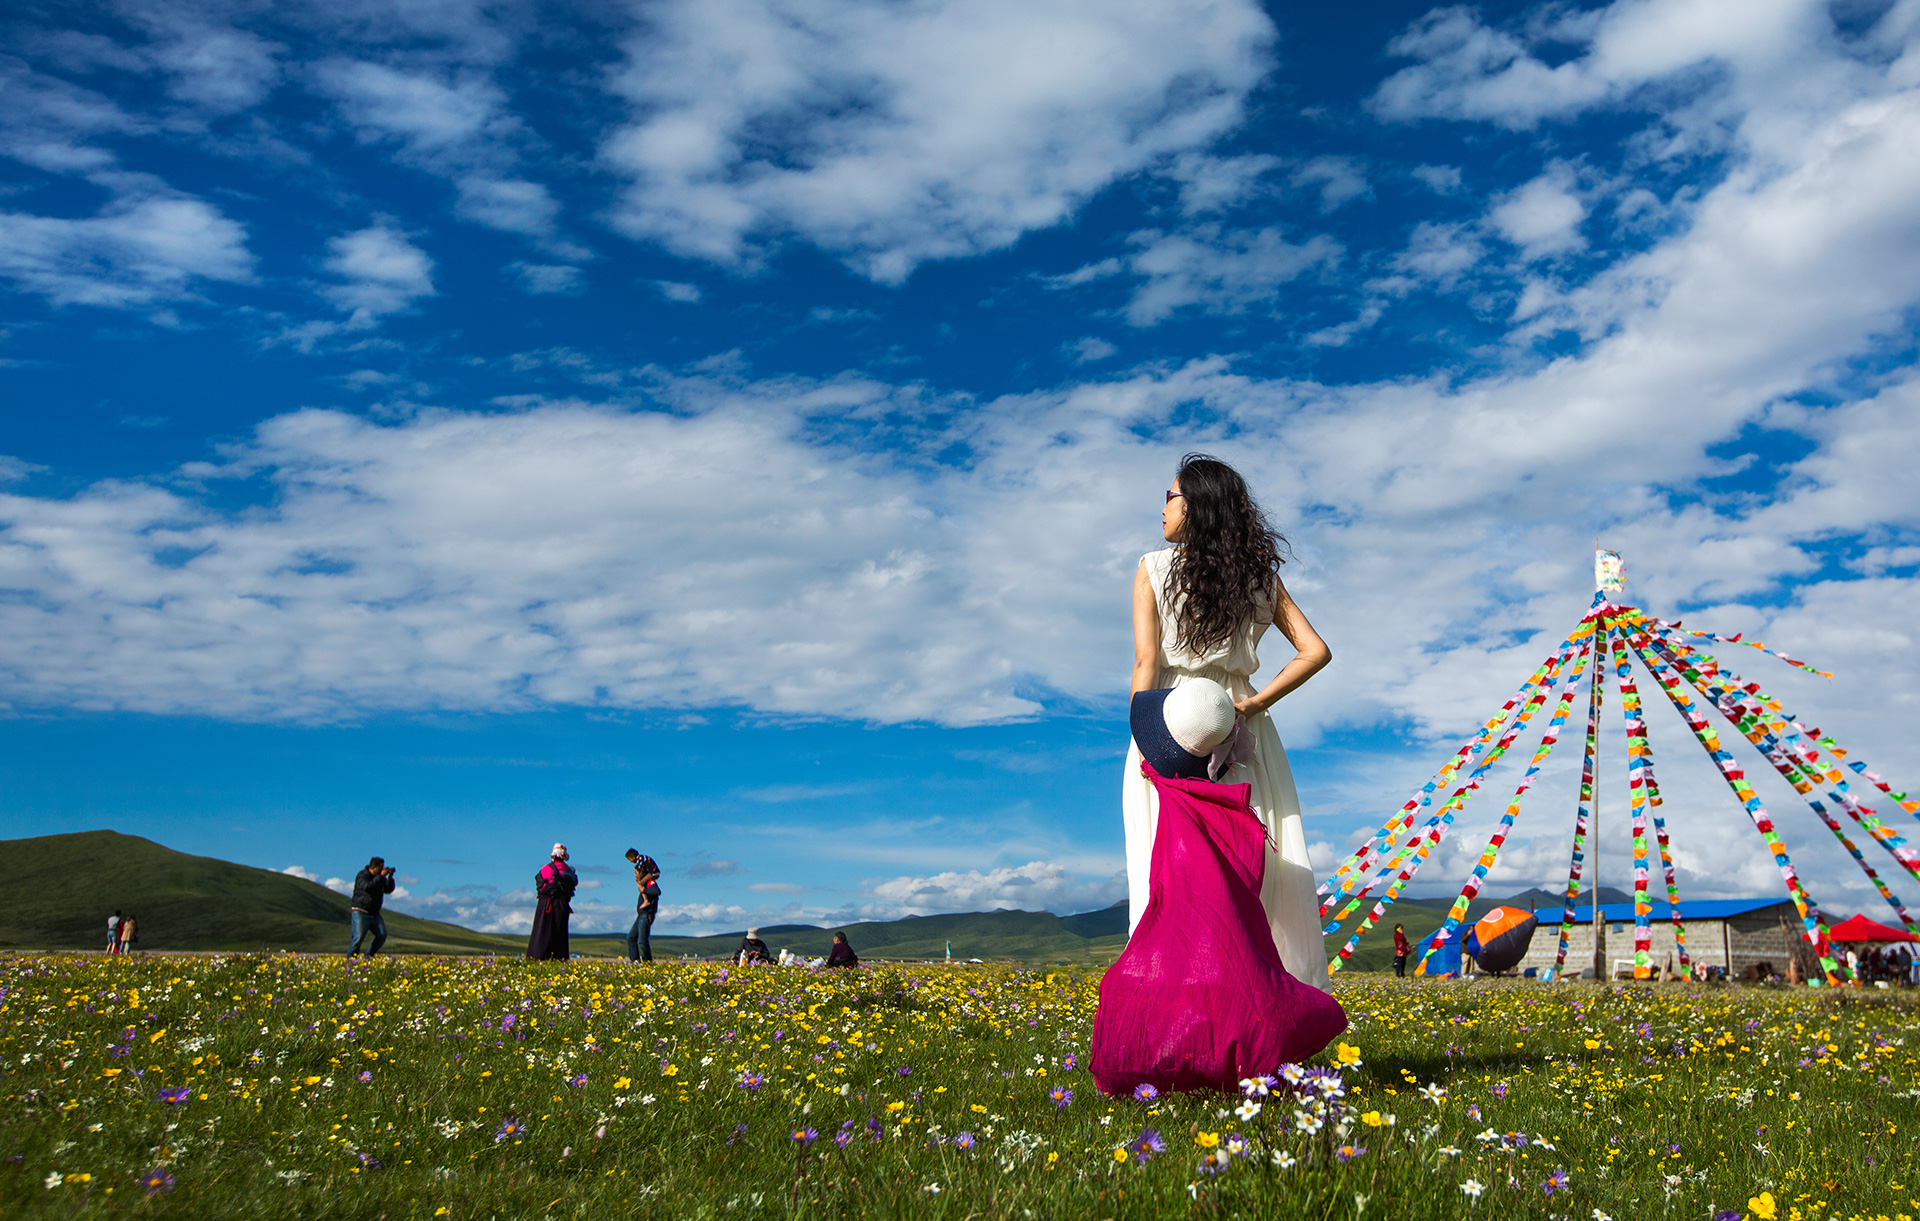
(1178, 729)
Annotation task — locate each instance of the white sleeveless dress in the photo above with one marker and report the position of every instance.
(1287, 894)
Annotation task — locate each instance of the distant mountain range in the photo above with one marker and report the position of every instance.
(56, 892)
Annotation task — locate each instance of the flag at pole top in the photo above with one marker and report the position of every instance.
(1609, 572)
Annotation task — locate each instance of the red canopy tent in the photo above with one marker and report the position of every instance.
(1859, 928)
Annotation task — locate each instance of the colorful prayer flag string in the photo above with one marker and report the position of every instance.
(1485, 865)
(1420, 845)
(1736, 779)
(1388, 834)
(1584, 813)
(1407, 861)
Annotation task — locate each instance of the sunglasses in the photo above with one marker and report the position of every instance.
(1171, 495)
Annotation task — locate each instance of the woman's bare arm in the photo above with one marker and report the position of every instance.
(1311, 654)
(1146, 633)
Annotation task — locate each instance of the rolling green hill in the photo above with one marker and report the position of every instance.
(56, 892)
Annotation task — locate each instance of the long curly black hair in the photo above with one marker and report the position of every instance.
(1229, 558)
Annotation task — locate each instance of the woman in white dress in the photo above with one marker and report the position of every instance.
(1199, 610)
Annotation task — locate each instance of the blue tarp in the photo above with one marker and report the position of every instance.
(1443, 965)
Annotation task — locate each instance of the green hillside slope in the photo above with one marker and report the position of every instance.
(56, 892)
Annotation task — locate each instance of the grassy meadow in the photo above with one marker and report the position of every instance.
(290, 1086)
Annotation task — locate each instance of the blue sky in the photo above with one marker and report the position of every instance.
(729, 428)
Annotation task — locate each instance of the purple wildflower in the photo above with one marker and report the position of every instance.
(369, 1162)
(843, 1138)
(873, 1128)
(739, 1130)
(1557, 1181)
(156, 1181)
(364, 1077)
(1727, 1214)
(1473, 1111)
(751, 1081)
(175, 1097)
(1069, 1061)
(509, 1127)
(1145, 1093)
(1347, 1153)
(963, 1140)
(806, 1136)
(1500, 1089)
(506, 1023)
(577, 1081)
(1061, 1095)
(1148, 1143)
(904, 1071)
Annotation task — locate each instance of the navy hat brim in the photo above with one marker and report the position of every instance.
(1148, 718)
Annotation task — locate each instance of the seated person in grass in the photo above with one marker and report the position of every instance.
(753, 951)
(842, 954)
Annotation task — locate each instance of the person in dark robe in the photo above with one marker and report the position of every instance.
(753, 951)
(841, 955)
(554, 885)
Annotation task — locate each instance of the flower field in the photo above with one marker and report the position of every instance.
(283, 1086)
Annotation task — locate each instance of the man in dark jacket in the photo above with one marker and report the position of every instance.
(371, 886)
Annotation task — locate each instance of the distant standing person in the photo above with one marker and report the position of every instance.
(1401, 949)
(646, 877)
(841, 955)
(555, 884)
(371, 886)
(113, 933)
(129, 932)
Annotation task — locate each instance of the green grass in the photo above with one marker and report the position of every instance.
(625, 1088)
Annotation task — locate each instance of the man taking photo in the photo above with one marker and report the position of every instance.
(371, 886)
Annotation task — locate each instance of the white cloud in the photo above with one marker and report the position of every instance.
(1440, 179)
(457, 125)
(713, 869)
(543, 279)
(304, 874)
(1085, 275)
(1090, 348)
(1221, 271)
(55, 125)
(217, 69)
(1209, 183)
(1339, 180)
(1439, 253)
(1468, 70)
(674, 290)
(1543, 216)
(141, 249)
(1034, 886)
(911, 133)
(383, 273)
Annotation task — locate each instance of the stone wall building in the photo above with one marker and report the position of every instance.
(1733, 933)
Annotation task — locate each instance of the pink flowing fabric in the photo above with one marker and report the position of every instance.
(1199, 998)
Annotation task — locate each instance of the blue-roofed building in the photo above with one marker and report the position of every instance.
(1734, 934)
